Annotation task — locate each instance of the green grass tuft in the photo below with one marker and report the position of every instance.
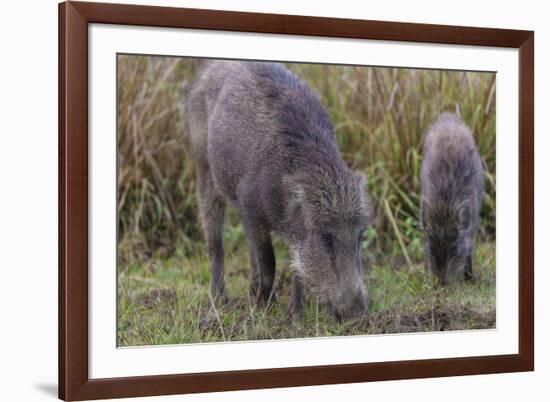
(166, 301)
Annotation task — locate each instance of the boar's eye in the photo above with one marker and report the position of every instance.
(452, 251)
(328, 242)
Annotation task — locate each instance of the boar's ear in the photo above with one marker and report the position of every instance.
(364, 198)
(361, 179)
(464, 215)
(295, 189)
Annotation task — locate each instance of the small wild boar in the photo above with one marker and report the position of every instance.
(452, 188)
(264, 142)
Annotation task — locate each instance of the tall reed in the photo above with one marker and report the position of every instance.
(380, 116)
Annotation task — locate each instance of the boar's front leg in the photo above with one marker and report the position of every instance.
(468, 274)
(212, 212)
(262, 261)
(297, 300)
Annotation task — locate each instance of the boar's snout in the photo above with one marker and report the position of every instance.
(351, 303)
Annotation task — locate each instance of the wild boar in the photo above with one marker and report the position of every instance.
(452, 189)
(263, 142)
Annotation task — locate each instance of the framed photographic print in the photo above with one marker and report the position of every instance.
(260, 200)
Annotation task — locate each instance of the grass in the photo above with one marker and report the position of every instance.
(166, 301)
(380, 116)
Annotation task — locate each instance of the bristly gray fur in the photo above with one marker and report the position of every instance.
(452, 189)
(264, 142)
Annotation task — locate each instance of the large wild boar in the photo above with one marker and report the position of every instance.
(264, 142)
(452, 188)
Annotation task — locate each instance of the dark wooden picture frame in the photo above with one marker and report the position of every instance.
(74, 382)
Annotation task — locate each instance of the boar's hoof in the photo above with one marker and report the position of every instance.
(296, 311)
(220, 299)
(266, 298)
(254, 288)
(262, 296)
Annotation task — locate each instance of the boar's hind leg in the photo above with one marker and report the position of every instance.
(468, 274)
(212, 211)
(262, 262)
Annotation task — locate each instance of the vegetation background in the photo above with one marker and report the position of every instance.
(380, 116)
